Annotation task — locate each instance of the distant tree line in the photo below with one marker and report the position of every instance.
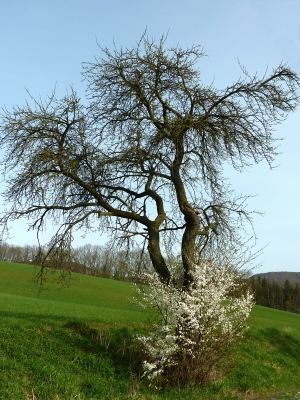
(271, 294)
(89, 259)
(280, 276)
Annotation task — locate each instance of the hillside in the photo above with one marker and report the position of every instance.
(78, 343)
(280, 277)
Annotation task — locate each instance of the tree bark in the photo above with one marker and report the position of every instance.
(188, 245)
(157, 259)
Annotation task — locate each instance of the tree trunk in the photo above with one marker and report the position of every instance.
(188, 246)
(157, 259)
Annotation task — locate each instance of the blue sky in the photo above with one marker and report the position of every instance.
(43, 43)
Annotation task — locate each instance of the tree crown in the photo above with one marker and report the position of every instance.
(145, 157)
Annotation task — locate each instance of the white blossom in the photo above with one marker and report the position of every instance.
(195, 323)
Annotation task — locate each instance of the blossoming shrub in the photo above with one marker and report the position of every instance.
(197, 326)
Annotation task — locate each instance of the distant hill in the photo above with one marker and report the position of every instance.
(280, 277)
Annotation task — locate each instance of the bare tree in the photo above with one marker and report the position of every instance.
(145, 157)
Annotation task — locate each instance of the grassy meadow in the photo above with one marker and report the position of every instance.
(77, 343)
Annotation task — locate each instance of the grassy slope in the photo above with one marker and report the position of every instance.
(76, 343)
(17, 279)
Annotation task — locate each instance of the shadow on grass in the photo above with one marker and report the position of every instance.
(272, 367)
(284, 342)
(99, 358)
(119, 343)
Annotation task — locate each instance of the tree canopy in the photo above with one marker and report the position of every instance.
(144, 155)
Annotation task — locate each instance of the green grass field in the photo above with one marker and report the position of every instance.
(77, 343)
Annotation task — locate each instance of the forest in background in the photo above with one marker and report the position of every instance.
(88, 259)
(274, 294)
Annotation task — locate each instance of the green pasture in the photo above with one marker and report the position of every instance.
(17, 279)
(78, 343)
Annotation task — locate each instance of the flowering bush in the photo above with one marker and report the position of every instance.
(197, 326)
